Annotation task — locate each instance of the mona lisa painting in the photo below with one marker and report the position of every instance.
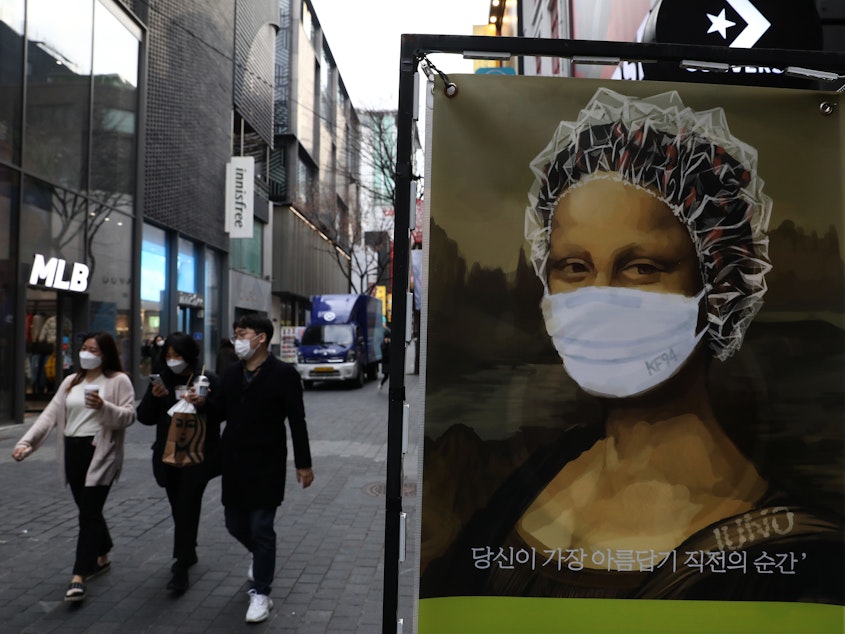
(635, 361)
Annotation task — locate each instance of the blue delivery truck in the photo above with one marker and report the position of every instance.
(342, 342)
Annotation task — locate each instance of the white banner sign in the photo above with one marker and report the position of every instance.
(240, 175)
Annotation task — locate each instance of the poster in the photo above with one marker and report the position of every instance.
(635, 359)
(290, 336)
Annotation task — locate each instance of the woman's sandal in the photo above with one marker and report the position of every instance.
(101, 569)
(75, 591)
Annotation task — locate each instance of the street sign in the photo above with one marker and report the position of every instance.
(781, 24)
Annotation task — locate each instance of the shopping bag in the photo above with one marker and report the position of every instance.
(185, 442)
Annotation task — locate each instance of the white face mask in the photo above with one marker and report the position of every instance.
(621, 342)
(177, 365)
(89, 360)
(244, 349)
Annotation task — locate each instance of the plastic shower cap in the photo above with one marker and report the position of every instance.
(691, 162)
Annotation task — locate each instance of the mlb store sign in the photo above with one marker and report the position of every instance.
(59, 274)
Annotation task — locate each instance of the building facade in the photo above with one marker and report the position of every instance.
(314, 167)
(116, 124)
(210, 84)
(71, 118)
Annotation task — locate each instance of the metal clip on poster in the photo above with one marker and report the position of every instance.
(412, 219)
(403, 536)
(406, 417)
(416, 107)
(450, 89)
(409, 315)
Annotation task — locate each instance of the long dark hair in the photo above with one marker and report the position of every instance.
(111, 358)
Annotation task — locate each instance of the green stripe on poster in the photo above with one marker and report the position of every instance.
(512, 615)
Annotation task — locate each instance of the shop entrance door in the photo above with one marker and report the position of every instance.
(189, 320)
(50, 348)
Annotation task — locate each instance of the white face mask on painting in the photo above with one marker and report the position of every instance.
(244, 349)
(89, 360)
(620, 342)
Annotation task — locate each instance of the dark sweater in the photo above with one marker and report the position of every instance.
(813, 536)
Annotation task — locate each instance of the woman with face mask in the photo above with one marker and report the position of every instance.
(90, 411)
(184, 485)
(157, 351)
(647, 231)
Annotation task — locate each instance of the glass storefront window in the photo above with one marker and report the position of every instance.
(246, 254)
(115, 70)
(52, 223)
(154, 259)
(69, 209)
(213, 327)
(59, 36)
(11, 78)
(186, 265)
(8, 273)
(191, 307)
(109, 240)
(51, 255)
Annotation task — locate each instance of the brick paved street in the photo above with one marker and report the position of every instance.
(329, 569)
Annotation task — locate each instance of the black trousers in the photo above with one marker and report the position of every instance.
(185, 487)
(94, 539)
(254, 529)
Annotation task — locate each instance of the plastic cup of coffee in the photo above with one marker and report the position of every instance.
(181, 390)
(90, 389)
(201, 386)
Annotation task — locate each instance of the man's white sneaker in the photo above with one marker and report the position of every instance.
(259, 607)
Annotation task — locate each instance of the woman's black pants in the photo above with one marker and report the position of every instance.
(94, 539)
(185, 487)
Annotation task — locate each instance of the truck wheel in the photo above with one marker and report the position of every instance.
(372, 372)
(307, 384)
(358, 381)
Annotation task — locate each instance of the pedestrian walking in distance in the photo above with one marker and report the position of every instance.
(184, 485)
(90, 411)
(255, 397)
(385, 360)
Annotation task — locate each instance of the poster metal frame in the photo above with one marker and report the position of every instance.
(828, 67)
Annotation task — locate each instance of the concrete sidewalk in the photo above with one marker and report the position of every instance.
(329, 571)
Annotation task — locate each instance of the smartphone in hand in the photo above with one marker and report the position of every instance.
(155, 379)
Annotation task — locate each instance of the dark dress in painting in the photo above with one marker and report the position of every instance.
(777, 551)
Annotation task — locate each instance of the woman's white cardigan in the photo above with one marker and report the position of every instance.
(117, 413)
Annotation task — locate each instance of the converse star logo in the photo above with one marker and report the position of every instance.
(756, 24)
(720, 23)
